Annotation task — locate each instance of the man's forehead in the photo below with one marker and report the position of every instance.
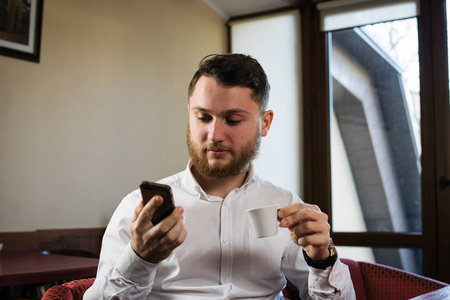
(210, 85)
(211, 95)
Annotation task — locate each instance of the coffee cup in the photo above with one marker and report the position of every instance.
(263, 220)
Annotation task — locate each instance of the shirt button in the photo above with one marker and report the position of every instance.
(225, 241)
(225, 203)
(226, 279)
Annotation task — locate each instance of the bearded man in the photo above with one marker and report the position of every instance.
(206, 248)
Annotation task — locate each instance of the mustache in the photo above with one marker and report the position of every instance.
(216, 147)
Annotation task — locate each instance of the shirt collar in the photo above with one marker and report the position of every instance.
(195, 189)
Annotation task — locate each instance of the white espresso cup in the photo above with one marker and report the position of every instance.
(264, 220)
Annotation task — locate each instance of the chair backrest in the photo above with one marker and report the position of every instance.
(375, 281)
(73, 290)
(384, 282)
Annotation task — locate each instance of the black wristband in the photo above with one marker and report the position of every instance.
(323, 263)
(319, 264)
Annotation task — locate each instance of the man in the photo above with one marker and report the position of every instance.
(206, 248)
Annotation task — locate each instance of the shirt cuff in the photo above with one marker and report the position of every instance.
(330, 277)
(135, 269)
(339, 275)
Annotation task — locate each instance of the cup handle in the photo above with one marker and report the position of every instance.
(278, 222)
(278, 227)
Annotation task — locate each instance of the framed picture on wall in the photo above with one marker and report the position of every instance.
(20, 28)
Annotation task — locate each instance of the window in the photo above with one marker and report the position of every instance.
(379, 153)
(375, 134)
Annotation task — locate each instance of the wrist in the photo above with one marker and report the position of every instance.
(323, 263)
(316, 253)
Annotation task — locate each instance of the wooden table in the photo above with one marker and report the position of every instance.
(18, 268)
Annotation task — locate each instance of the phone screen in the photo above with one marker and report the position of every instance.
(151, 189)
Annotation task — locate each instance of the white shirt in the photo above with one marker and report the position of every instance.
(220, 258)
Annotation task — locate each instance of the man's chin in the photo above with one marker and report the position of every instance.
(218, 162)
(218, 169)
(215, 169)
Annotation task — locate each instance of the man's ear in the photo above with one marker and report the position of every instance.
(266, 121)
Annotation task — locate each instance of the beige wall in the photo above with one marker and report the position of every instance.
(104, 109)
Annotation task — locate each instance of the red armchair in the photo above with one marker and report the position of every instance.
(73, 290)
(371, 282)
(384, 282)
(375, 281)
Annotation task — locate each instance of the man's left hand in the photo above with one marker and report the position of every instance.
(309, 228)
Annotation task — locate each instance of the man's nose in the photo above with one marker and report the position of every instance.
(216, 131)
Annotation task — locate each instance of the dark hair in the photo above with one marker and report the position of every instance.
(235, 70)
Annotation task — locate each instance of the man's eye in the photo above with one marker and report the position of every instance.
(204, 119)
(233, 122)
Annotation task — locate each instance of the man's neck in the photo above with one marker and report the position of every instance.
(219, 187)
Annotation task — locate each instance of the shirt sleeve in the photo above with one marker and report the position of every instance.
(333, 283)
(121, 273)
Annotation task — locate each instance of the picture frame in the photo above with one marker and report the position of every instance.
(20, 28)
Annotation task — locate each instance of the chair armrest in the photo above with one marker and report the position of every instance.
(79, 287)
(58, 292)
(357, 279)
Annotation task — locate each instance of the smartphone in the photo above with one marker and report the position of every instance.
(151, 189)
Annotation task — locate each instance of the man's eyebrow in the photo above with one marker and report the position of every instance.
(236, 111)
(199, 108)
(227, 112)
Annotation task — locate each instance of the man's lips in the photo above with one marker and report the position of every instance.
(217, 152)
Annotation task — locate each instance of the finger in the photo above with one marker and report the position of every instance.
(162, 228)
(302, 216)
(314, 240)
(149, 209)
(165, 225)
(169, 233)
(176, 235)
(311, 228)
(174, 238)
(293, 208)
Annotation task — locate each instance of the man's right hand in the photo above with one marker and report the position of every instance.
(156, 243)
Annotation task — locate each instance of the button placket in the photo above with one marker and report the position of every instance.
(225, 238)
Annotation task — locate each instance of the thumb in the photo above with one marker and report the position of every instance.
(137, 210)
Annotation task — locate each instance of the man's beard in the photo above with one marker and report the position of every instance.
(236, 166)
